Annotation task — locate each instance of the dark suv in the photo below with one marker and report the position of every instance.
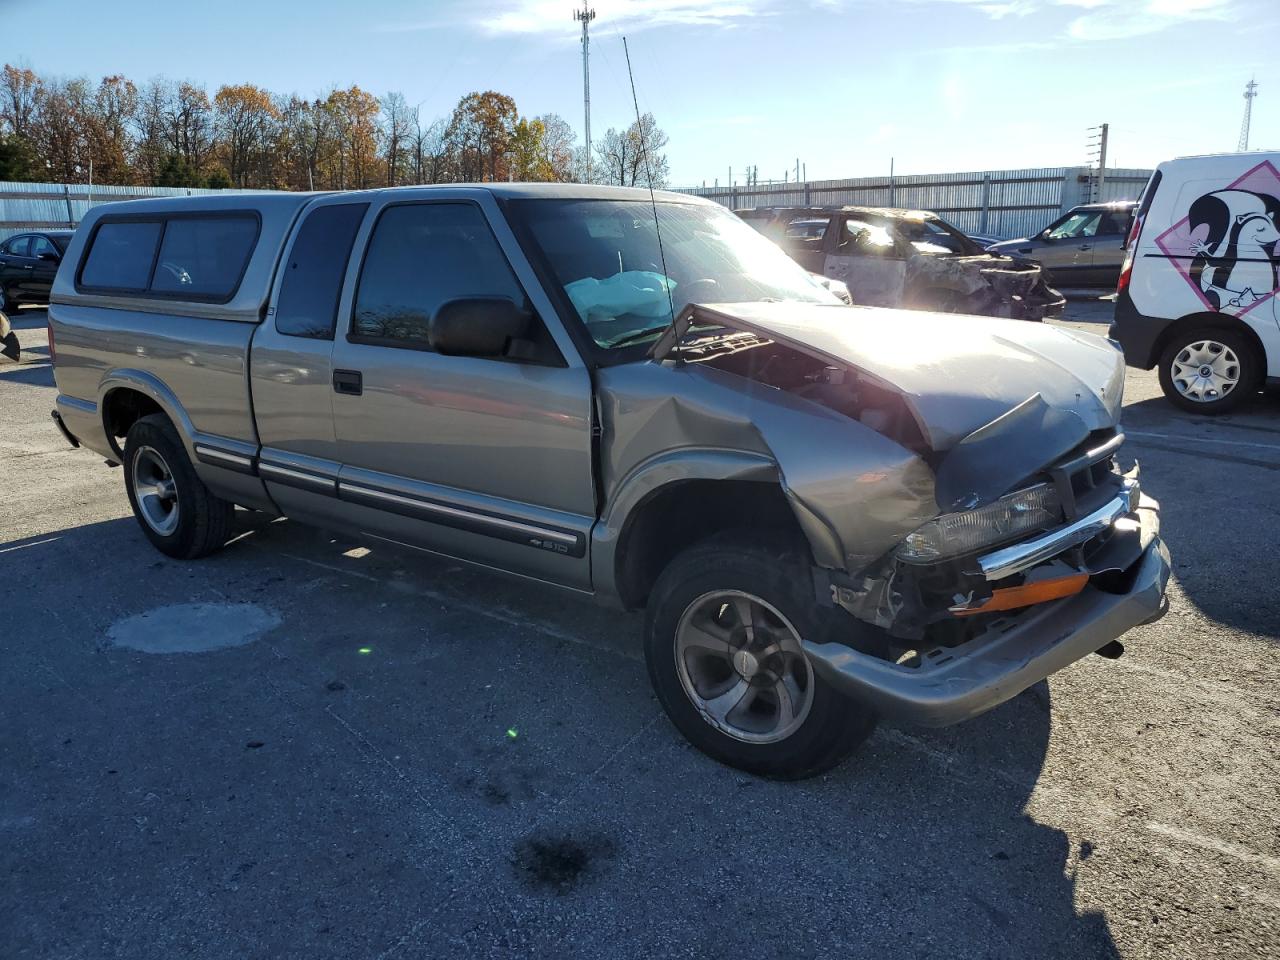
(28, 264)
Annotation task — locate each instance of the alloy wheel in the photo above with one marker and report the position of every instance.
(155, 490)
(742, 666)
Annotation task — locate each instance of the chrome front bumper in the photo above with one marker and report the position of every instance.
(964, 681)
(1025, 555)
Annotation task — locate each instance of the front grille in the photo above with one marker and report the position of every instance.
(1086, 478)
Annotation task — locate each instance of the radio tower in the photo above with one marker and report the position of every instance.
(585, 16)
(1250, 91)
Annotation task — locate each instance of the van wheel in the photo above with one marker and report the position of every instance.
(10, 305)
(175, 509)
(1209, 370)
(722, 642)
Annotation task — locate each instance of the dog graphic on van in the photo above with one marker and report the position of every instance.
(1235, 262)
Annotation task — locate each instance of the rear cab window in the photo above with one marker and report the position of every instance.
(183, 257)
(313, 274)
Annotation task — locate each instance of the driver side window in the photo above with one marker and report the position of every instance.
(865, 238)
(1082, 224)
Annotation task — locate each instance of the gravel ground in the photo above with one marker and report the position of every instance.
(380, 754)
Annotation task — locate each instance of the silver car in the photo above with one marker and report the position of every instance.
(1082, 248)
(830, 514)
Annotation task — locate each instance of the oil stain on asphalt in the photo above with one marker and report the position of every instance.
(560, 863)
(193, 627)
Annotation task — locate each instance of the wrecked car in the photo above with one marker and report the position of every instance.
(829, 514)
(908, 258)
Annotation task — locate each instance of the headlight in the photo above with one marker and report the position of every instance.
(955, 534)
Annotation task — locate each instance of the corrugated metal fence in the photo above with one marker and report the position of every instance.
(1000, 203)
(59, 206)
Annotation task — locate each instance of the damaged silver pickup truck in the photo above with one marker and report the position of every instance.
(830, 514)
(907, 258)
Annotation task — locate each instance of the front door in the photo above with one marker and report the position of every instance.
(44, 267)
(1066, 250)
(487, 459)
(863, 254)
(15, 267)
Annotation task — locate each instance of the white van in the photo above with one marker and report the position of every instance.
(1197, 296)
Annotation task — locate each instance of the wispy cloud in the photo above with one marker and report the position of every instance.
(548, 16)
(1118, 20)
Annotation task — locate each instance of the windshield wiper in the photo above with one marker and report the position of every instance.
(635, 336)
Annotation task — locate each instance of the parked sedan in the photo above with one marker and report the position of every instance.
(28, 263)
(1082, 248)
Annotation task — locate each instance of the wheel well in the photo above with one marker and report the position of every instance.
(1221, 321)
(681, 514)
(121, 409)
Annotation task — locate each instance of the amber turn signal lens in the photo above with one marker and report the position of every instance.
(1011, 598)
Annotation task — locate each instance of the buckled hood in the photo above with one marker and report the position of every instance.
(956, 373)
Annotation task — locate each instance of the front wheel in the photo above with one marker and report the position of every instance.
(723, 646)
(176, 511)
(1209, 370)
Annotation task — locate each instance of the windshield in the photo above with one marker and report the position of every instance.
(604, 253)
(937, 238)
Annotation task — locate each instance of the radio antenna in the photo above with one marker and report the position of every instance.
(653, 202)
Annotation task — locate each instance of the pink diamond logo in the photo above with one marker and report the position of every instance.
(1226, 247)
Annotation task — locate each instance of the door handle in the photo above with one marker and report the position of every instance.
(349, 382)
(1086, 246)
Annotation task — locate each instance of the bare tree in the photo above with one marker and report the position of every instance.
(397, 131)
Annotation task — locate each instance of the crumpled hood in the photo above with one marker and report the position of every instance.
(957, 373)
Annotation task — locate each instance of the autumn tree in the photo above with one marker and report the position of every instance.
(245, 118)
(19, 97)
(478, 136)
(354, 145)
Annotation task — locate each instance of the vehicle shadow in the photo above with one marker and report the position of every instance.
(1215, 479)
(919, 845)
(925, 823)
(34, 372)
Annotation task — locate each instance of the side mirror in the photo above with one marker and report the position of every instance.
(478, 327)
(49, 257)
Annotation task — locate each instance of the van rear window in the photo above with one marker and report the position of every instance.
(175, 257)
(121, 256)
(203, 257)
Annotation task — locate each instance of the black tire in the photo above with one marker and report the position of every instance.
(7, 303)
(834, 725)
(203, 521)
(1250, 369)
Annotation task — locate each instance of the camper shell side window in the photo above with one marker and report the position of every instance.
(199, 256)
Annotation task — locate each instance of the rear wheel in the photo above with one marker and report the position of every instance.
(1209, 370)
(723, 646)
(10, 305)
(176, 511)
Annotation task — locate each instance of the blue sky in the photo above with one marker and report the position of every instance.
(940, 85)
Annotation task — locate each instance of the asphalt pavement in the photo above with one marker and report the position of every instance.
(308, 746)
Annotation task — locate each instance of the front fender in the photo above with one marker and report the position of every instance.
(650, 477)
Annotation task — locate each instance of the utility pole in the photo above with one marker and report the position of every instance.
(1250, 91)
(585, 16)
(1098, 148)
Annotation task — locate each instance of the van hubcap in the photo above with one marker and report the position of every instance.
(155, 491)
(741, 665)
(1205, 371)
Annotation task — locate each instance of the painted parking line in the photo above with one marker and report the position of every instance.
(1140, 434)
